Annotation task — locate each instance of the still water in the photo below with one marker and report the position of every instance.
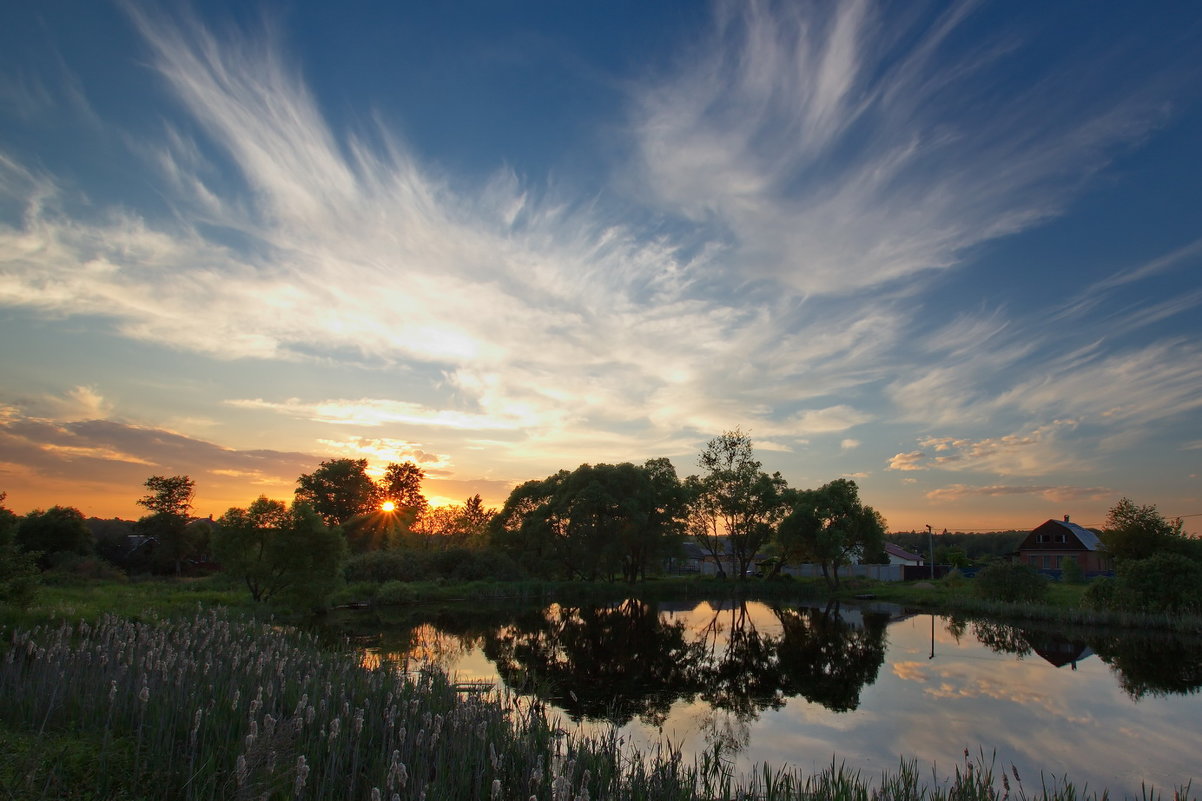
(800, 685)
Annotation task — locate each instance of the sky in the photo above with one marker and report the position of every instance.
(950, 250)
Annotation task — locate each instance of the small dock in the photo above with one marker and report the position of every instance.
(474, 686)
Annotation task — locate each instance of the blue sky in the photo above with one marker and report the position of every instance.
(950, 250)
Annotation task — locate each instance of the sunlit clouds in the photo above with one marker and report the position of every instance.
(767, 228)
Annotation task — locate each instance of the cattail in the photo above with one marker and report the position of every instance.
(144, 694)
(234, 703)
(375, 794)
(241, 771)
(112, 687)
(268, 724)
(496, 789)
(302, 773)
(358, 720)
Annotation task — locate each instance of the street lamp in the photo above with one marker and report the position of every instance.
(931, 537)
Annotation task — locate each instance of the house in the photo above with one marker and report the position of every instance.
(1049, 544)
(900, 556)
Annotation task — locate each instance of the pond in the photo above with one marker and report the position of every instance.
(799, 685)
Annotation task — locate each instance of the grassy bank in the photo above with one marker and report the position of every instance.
(206, 707)
(75, 600)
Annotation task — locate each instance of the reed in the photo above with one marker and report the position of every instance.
(208, 707)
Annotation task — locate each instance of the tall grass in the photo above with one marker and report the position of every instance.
(207, 707)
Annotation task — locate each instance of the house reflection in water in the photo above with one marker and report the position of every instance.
(1060, 652)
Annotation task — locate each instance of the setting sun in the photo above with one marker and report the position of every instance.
(387, 506)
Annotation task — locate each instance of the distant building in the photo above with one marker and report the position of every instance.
(1048, 545)
(900, 556)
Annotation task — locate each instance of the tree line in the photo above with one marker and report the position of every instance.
(597, 522)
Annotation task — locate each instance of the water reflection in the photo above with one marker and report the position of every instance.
(799, 684)
(626, 660)
(1146, 665)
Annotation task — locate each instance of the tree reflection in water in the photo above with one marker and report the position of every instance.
(1144, 664)
(626, 660)
(827, 660)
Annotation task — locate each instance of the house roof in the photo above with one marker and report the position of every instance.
(1087, 537)
(901, 553)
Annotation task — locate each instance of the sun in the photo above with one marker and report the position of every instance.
(387, 506)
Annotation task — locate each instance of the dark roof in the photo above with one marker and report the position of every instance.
(1087, 537)
(901, 553)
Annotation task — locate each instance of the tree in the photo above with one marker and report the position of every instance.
(170, 503)
(1137, 532)
(280, 552)
(597, 521)
(734, 502)
(402, 484)
(169, 495)
(60, 529)
(338, 490)
(831, 526)
(18, 572)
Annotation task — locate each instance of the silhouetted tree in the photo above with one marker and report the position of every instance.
(402, 484)
(58, 530)
(170, 503)
(734, 502)
(598, 521)
(338, 490)
(832, 527)
(279, 552)
(1137, 532)
(18, 572)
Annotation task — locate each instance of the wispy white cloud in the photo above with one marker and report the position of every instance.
(799, 152)
(1039, 451)
(955, 492)
(373, 412)
(838, 149)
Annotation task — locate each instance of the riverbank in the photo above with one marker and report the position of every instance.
(88, 600)
(209, 707)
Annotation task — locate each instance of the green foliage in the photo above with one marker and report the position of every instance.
(1163, 583)
(281, 554)
(1070, 571)
(60, 529)
(169, 495)
(832, 527)
(395, 593)
(734, 504)
(457, 564)
(18, 571)
(402, 484)
(340, 490)
(169, 501)
(1011, 582)
(1138, 532)
(598, 521)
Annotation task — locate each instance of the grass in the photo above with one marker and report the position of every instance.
(209, 707)
(89, 600)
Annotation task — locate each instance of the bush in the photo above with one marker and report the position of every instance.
(393, 593)
(380, 566)
(1166, 582)
(1012, 582)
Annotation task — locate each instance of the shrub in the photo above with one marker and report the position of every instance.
(1165, 582)
(1012, 582)
(382, 566)
(393, 593)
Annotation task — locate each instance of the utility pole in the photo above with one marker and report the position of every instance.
(931, 537)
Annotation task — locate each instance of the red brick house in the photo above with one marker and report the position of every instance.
(1047, 546)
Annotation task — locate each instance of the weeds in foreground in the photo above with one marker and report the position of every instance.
(208, 708)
